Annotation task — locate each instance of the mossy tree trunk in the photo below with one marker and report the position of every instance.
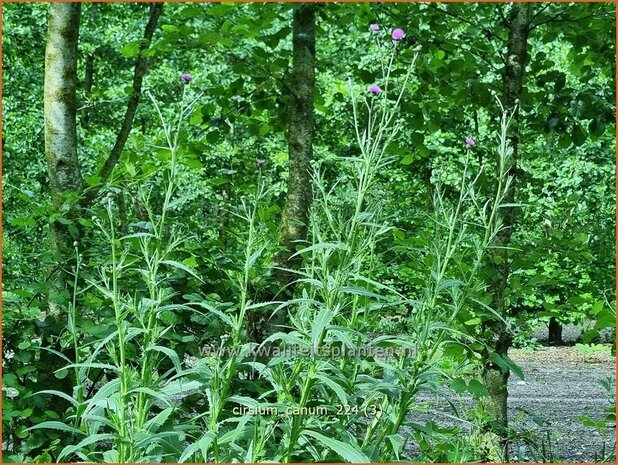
(300, 132)
(65, 181)
(60, 109)
(295, 214)
(496, 379)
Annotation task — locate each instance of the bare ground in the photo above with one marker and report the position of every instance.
(560, 387)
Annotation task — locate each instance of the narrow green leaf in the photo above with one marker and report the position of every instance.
(56, 425)
(345, 451)
(182, 267)
(173, 356)
(68, 450)
(151, 392)
(202, 444)
(341, 395)
(322, 320)
(104, 366)
(155, 423)
(180, 386)
(63, 395)
(322, 246)
(104, 392)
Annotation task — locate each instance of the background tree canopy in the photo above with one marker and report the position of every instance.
(177, 175)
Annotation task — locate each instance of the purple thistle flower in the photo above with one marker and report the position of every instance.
(186, 78)
(374, 27)
(398, 34)
(261, 162)
(374, 89)
(470, 141)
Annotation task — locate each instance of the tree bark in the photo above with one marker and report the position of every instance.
(495, 379)
(60, 134)
(60, 108)
(141, 66)
(295, 213)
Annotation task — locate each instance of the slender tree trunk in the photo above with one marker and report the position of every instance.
(555, 332)
(141, 66)
(295, 215)
(60, 114)
(496, 380)
(60, 108)
(300, 132)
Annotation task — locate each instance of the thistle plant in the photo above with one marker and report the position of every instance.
(123, 420)
(226, 369)
(364, 398)
(464, 235)
(471, 224)
(214, 440)
(336, 291)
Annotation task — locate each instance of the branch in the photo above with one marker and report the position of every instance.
(541, 10)
(560, 17)
(439, 41)
(141, 65)
(486, 30)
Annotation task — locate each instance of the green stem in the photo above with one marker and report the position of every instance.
(148, 368)
(124, 374)
(296, 422)
(73, 328)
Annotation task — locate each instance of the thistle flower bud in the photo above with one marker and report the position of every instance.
(374, 89)
(398, 34)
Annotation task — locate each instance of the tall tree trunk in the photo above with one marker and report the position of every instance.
(295, 215)
(65, 181)
(495, 379)
(300, 132)
(60, 108)
(141, 66)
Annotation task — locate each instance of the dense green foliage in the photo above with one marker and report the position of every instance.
(174, 252)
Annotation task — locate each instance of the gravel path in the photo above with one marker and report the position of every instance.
(560, 385)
